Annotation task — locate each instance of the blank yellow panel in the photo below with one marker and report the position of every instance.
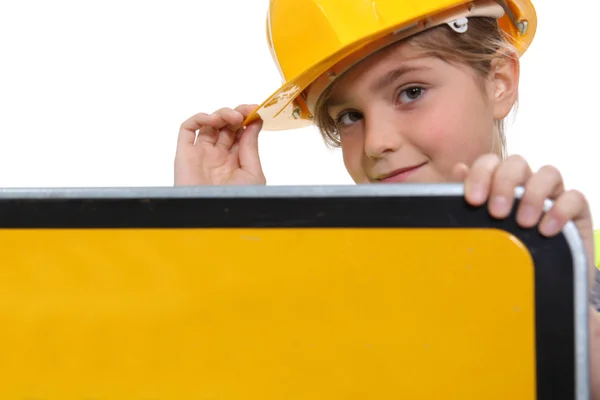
(244, 314)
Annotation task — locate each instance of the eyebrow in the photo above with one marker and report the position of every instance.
(394, 75)
(384, 81)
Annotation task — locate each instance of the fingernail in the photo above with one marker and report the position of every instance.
(526, 215)
(549, 226)
(499, 205)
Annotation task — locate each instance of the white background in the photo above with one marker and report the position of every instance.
(92, 92)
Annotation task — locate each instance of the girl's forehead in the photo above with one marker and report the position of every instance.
(382, 67)
(393, 54)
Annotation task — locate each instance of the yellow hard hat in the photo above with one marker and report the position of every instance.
(309, 39)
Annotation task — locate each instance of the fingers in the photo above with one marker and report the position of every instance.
(187, 131)
(490, 179)
(570, 205)
(218, 128)
(248, 151)
(222, 133)
(231, 121)
(512, 173)
(547, 183)
(246, 109)
(493, 180)
(234, 120)
(479, 179)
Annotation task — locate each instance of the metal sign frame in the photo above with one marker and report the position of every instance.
(560, 264)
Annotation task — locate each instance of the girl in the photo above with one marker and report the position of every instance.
(412, 91)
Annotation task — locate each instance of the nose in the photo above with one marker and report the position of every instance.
(382, 134)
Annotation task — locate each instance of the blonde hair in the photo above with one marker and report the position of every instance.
(476, 48)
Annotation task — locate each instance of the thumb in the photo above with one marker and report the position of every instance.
(460, 172)
(249, 158)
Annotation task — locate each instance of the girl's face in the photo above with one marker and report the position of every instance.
(404, 116)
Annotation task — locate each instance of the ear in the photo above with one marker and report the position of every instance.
(504, 82)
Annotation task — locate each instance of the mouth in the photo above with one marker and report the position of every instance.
(400, 175)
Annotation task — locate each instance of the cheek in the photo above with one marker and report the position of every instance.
(352, 153)
(450, 135)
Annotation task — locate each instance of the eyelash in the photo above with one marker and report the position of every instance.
(422, 90)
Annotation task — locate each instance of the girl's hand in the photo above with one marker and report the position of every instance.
(492, 179)
(214, 149)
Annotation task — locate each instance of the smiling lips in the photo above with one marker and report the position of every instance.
(400, 175)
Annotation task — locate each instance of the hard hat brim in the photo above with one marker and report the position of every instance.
(286, 108)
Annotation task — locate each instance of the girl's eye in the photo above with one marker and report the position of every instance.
(411, 94)
(348, 118)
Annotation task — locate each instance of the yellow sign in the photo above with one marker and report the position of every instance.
(266, 313)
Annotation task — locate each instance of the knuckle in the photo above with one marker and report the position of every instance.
(485, 164)
(514, 169)
(578, 196)
(517, 163)
(201, 118)
(230, 115)
(549, 170)
(222, 114)
(517, 159)
(507, 173)
(222, 110)
(490, 158)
